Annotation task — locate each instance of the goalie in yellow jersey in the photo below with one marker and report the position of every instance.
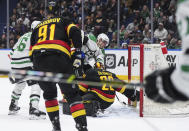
(100, 97)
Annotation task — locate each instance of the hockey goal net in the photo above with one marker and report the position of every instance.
(151, 58)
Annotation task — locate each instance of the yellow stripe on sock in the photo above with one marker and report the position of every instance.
(79, 113)
(52, 109)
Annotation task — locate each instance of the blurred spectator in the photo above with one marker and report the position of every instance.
(138, 37)
(12, 42)
(160, 33)
(145, 41)
(126, 38)
(25, 20)
(124, 46)
(172, 44)
(113, 45)
(101, 16)
(131, 26)
(145, 13)
(157, 10)
(3, 41)
(121, 33)
(178, 44)
(73, 7)
(146, 31)
(100, 25)
(112, 9)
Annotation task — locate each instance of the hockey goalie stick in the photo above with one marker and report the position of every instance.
(62, 78)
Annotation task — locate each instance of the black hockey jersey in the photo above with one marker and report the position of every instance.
(104, 94)
(56, 34)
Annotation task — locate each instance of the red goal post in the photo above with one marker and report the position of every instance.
(141, 48)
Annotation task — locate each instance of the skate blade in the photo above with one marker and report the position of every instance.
(12, 112)
(34, 117)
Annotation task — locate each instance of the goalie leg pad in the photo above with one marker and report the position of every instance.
(91, 108)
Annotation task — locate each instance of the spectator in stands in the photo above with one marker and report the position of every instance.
(96, 21)
(131, 26)
(178, 44)
(160, 33)
(100, 24)
(157, 10)
(146, 31)
(113, 45)
(172, 44)
(11, 43)
(73, 7)
(13, 21)
(126, 38)
(138, 37)
(25, 20)
(121, 33)
(112, 9)
(124, 46)
(3, 41)
(11, 29)
(145, 13)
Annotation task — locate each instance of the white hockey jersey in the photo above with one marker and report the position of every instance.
(92, 52)
(20, 52)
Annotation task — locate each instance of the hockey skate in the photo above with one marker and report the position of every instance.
(13, 108)
(36, 114)
(55, 130)
(81, 128)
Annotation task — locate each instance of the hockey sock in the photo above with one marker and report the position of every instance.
(78, 113)
(52, 108)
(34, 100)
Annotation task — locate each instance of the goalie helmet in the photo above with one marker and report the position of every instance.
(102, 40)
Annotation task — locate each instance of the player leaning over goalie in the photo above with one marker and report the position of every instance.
(93, 50)
(172, 84)
(20, 60)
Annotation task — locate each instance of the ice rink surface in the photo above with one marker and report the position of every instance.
(117, 118)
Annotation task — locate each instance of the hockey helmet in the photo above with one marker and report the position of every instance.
(34, 24)
(102, 38)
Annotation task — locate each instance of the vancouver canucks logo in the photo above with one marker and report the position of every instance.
(110, 61)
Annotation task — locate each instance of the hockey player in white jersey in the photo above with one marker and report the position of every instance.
(20, 60)
(94, 50)
(172, 84)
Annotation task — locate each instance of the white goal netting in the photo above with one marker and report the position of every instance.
(151, 58)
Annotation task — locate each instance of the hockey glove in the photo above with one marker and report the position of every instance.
(99, 65)
(160, 88)
(78, 58)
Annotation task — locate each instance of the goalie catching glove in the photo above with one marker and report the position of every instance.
(160, 88)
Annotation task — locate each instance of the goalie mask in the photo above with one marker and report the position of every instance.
(102, 40)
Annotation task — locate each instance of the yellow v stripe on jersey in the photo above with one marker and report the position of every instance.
(50, 46)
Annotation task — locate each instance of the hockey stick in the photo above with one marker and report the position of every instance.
(62, 78)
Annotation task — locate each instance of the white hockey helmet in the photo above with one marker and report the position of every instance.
(104, 38)
(34, 24)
